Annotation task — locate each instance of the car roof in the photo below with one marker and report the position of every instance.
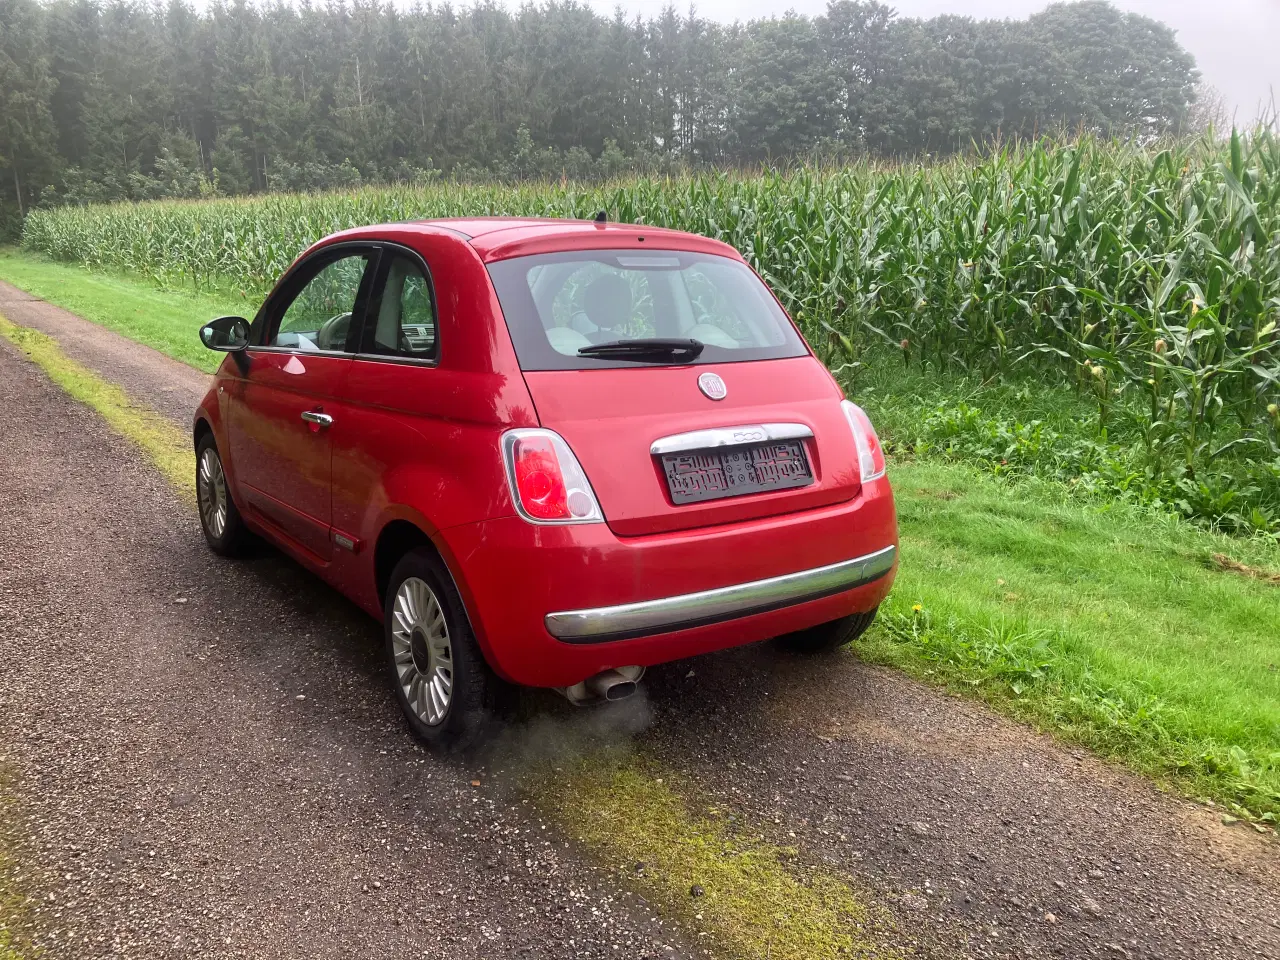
(500, 238)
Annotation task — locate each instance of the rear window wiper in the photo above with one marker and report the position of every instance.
(654, 348)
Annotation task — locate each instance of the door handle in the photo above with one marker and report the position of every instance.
(319, 419)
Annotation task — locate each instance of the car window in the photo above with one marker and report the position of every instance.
(716, 315)
(556, 304)
(404, 315)
(319, 317)
(603, 302)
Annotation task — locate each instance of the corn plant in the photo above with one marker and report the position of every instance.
(1147, 276)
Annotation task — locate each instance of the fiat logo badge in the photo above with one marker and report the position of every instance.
(712, 386)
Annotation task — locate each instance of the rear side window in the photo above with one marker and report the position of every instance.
(402, 316)
(556, 304)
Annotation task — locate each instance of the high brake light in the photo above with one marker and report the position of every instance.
(870, 453)
(547, 483)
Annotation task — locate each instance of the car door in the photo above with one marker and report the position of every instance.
(394, 395)
(281, 410)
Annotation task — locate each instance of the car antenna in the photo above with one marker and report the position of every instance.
(601, 217)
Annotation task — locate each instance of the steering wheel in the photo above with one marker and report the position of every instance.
(332, 334)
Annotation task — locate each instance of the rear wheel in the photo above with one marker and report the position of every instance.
(441, 680)
(223, 527)
(830, 635)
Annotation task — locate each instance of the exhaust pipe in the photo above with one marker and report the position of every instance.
(611, 685)
(607, 685)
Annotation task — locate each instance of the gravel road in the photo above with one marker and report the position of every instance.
(183, 799)
(998, 840)
(179, 796)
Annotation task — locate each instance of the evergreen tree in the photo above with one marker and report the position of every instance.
(28, 138)
(119, 99)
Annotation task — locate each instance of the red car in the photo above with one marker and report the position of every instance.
(545, 452)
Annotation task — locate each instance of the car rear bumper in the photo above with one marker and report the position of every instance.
(554, 605)
(628, 620)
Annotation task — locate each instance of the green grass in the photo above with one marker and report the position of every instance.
(1106, 623)
(167, 320)
(1108, 626)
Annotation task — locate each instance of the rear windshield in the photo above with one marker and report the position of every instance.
(556, 304)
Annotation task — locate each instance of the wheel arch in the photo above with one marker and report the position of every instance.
(396, 539)
(200, 430)
(399, 536)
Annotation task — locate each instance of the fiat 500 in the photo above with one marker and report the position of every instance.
(545, 453)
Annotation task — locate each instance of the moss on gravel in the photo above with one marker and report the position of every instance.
(12, 900)
(731, 890)
(169, 448)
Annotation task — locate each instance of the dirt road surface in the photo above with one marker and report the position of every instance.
(180, 797)
(210, 764)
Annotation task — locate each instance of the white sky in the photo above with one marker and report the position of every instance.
(1236, 43)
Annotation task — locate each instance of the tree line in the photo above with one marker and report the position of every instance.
(125, 99)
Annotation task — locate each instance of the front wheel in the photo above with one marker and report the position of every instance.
(223, 527)
(830, 635)
(443, 684)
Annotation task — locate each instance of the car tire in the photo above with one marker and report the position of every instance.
(830, 635)
(220, 519)
(443, 683)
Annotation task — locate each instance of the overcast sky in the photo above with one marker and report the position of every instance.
(1236, 43)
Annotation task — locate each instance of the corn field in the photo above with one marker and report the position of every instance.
(1146, 277)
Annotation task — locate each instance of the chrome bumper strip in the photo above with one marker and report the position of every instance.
(647, 617)
(729, 437)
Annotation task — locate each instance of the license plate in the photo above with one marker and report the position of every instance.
(734, 471)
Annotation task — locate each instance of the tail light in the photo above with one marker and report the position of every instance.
(547, 482)
(870, 453)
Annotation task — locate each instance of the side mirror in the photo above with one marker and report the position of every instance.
(228, 334)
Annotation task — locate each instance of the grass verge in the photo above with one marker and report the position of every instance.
(731, 890)
(168, 447)
(166, 320)
(1111, 627)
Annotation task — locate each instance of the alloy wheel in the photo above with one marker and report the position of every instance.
(423, 654)
(211, 491)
